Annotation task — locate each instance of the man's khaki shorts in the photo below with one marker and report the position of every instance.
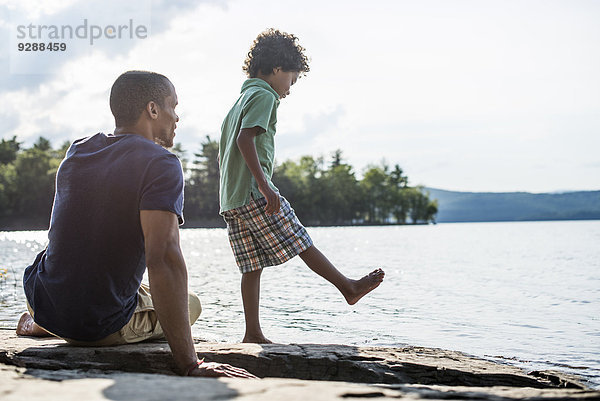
(143, 325)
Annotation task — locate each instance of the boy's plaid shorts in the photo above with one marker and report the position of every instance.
(259, 240)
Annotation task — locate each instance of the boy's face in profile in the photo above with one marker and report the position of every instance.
(281, 81)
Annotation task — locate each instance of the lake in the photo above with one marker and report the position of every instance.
(524, 293)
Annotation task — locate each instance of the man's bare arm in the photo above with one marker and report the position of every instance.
(168, 285)
(245, 142)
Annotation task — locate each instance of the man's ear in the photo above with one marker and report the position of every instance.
(152, 110)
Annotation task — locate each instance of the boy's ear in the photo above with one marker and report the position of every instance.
(152, 110)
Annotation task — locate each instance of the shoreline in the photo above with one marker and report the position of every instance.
(214, 226)
(30, 366)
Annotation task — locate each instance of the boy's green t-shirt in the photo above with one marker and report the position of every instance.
(256, 107)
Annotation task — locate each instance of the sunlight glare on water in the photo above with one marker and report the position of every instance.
(527, 292)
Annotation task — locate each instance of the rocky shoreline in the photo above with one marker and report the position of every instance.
(32, 369)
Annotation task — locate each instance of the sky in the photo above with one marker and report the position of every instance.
(466, 95)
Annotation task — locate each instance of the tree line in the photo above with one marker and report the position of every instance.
(323, 192)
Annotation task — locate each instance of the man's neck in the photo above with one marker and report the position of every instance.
(133, 130)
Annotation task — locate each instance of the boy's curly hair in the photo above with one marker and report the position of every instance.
(273, 48)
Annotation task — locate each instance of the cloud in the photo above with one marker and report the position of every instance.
(9, 123)
(472, 95)
(74, 101)
(317, 133)
(72, 105)
(155, 15)
(164, 11)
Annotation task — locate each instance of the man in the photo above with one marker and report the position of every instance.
(118, 203)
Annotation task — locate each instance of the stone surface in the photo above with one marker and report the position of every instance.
(50, 369)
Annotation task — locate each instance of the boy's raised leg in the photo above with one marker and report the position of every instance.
(251, 301)
(352, 290)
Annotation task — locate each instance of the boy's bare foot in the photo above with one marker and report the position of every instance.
(365, 285)
(27, 327)
(260, 339)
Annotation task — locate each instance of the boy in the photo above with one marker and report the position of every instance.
(262, 227)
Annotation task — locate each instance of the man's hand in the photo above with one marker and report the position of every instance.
(272, 197)
(213, 369)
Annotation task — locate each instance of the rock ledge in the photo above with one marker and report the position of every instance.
(295, 371)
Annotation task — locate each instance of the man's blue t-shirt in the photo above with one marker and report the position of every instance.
(84, 285)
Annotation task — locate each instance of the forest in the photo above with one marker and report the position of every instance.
(323, 191)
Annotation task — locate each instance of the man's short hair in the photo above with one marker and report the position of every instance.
(273, 48)
(131, 93)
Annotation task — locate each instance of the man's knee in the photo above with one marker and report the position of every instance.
(195, 307)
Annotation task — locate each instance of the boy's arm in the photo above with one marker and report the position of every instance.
(245, 142)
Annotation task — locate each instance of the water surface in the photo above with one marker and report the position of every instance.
(522, 293)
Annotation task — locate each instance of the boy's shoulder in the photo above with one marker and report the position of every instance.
(256, 87)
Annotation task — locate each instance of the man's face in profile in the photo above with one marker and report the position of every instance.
(167, 121)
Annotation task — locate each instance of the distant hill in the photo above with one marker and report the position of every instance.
(515, 206)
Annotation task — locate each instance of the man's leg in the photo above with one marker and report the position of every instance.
(352, 290)
(144, 324)
(194, 307)
(251, 301)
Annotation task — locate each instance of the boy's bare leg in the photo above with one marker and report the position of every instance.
(251, 301)
(352, 290)
(27, 327)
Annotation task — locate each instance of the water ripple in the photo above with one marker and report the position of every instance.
(525, 293)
